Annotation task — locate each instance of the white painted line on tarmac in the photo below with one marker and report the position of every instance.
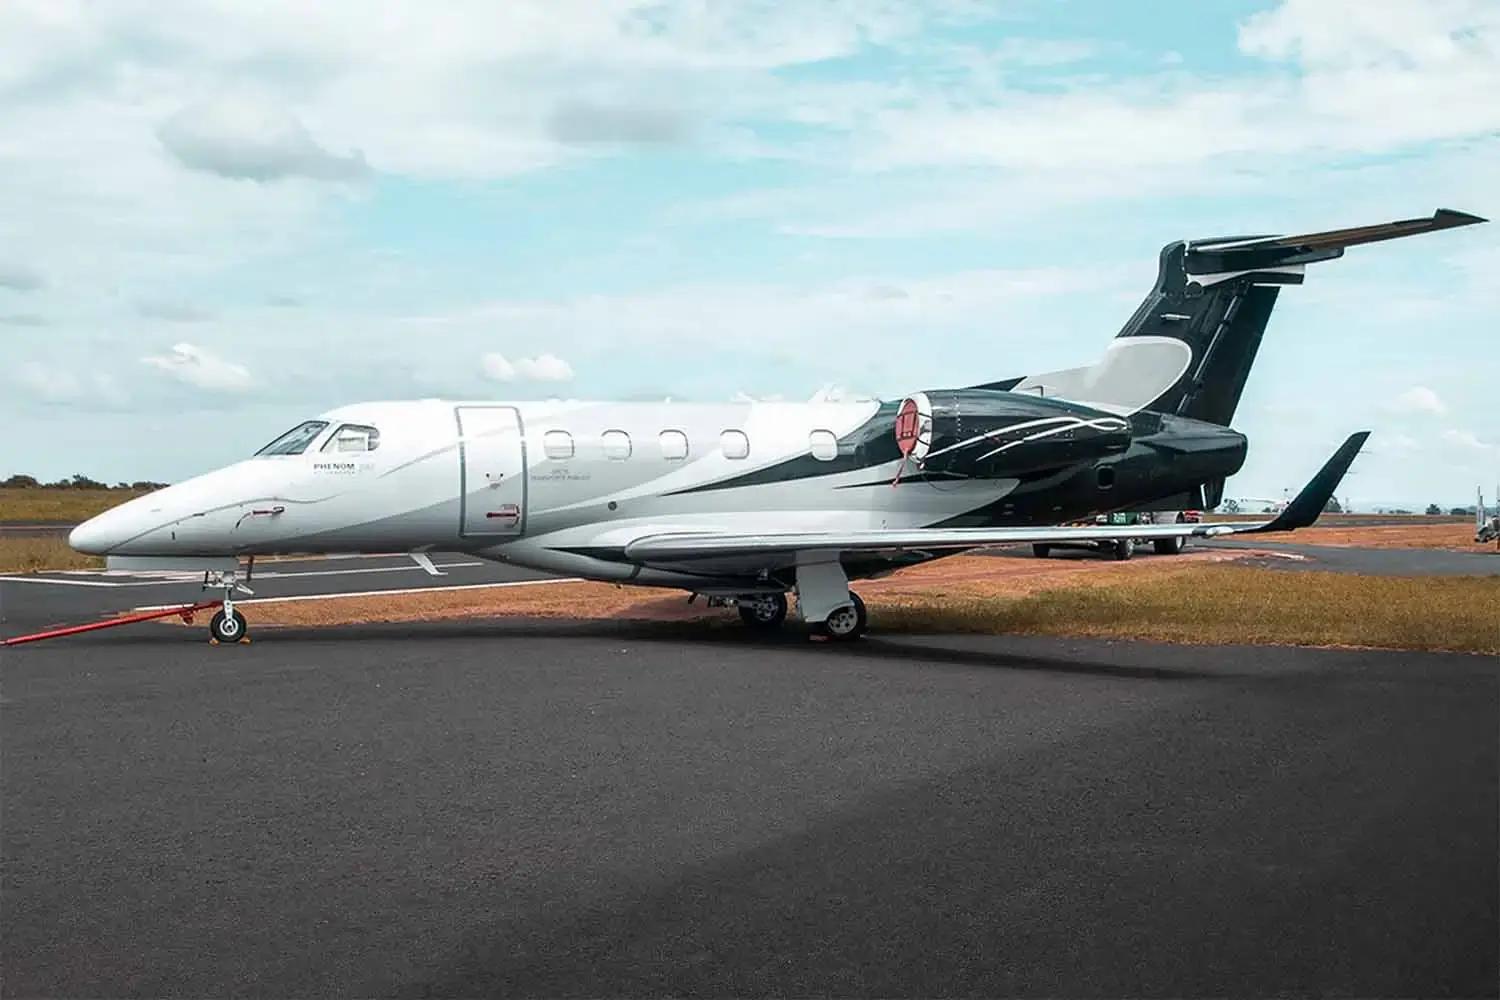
(76, 583)
(373, 569)
(384, 593)
(273, 575)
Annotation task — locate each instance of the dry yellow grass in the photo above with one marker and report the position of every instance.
(1234, 604)
(1457, 536)
(30, 553)
(66, 506)
(1199, 600)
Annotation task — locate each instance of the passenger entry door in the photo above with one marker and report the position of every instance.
(492, 471)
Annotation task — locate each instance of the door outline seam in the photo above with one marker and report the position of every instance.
(463, 472)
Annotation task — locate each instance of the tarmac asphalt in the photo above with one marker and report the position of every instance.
(599, 809)
(1378, 562)
(43, 600)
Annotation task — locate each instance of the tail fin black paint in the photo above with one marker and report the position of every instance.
(1216, 296)
(1213, 296)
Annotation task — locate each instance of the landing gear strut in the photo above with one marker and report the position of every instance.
(825, 600)
(227, 626)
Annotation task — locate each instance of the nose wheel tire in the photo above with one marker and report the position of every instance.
(847, 623)
(763, 612)
(228, 629)
(1124, 549)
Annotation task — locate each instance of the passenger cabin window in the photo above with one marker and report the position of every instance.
(616, 445)
(674, 446)
(353, 437)
(296, 440)
(735, 444)
(557, 445)
(825, 445)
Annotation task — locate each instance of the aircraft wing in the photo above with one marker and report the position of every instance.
(679, 547)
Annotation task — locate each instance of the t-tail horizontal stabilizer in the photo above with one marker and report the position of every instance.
(1245, 253)
(1308, 504)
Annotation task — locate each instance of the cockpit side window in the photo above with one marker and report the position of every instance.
(296, 440)
(353, 437)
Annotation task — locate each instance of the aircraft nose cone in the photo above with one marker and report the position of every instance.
(93, 537)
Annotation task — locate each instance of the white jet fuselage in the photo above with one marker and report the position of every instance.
(557, 486)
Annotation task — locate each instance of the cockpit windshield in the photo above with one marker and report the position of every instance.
(296, 440)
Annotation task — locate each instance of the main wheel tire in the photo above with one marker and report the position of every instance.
(763, 612)
(227, 628)
(1169, 546)
(1124, 549)
(847, 623)
(1041, 551)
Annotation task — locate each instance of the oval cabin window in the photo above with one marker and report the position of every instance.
(557, 445)
(735, 444)
(616, 445)
(825, 446)
(674, 446)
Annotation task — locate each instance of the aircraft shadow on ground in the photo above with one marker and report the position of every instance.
(924, 648)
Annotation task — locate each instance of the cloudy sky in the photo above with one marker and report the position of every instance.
(218, 218)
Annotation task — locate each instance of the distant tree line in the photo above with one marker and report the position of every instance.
(21, 482)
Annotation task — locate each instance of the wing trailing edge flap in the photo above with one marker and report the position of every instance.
(678, 547)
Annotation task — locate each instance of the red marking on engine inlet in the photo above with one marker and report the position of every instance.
(908, 427)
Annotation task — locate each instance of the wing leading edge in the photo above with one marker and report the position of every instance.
(675, 547)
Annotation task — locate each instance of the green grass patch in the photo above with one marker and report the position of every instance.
(67, 506)
(1234, 604)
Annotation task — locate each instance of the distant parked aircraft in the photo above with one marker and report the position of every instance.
(747, 502)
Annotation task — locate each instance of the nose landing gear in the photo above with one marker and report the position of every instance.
(228, 626)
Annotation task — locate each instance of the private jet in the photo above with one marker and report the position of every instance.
(746, 503)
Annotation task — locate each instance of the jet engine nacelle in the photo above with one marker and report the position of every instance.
(988, 433)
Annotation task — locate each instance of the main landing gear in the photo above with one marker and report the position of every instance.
(824, 601)
(767, 613)
(827, 604)
(763, 612)
(845, 623)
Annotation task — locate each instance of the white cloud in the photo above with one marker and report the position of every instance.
(1372, 77)
(173, 312)
(542, 368)
(19, 277)
(1419, 399)
(59, 384)
(195, 366)
(582, 123)
(498, 368)
(1468, 440)
(254, 140)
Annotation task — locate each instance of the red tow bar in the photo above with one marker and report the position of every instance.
(186, 611)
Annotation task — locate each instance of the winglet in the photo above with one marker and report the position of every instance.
(1308, 504)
